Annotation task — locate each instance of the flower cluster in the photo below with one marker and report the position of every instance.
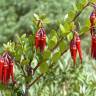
(6, 68)
(75, 45)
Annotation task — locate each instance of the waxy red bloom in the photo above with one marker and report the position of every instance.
(75, 45)
(11, 74)
(40, 39)
(1, 68)
(5, 72)
(93, 44)
(78, 45)
(6, 68)
(93, 32)
(73, 50)
(92, 20)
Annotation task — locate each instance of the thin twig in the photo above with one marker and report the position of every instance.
(35, 80)
(37, 67)
(77, 15)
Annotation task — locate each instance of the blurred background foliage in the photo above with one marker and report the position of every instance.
(16, 16)
(64, 79)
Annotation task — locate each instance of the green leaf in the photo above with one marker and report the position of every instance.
(46, 54)
(52, 42)
(81, 3)
(84, 30)
(62, 46)
(31, 40)
(84, 2)
(55, 57)
(8, 93)
(70, 36)
(53, 33)
(2, 87)
(67, 27)
(93, 1)
(23, 36)
(75, 7)
(46, 21)
(54, 39)
(87, 22)
(79, 6)
(25, 62)
(65, 17)
(44, 67)
(72, 26)
(62, 29)
(36, 16)
(72, 14)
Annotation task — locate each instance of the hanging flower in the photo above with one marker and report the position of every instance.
(93, 44)
(1, 68)
(93, 19)
(78, 45)
(40, 39)
(73, 50)
(6, 68)
(75, 45)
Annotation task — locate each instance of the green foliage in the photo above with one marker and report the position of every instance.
(70, 36)
(17, 16)
(93, 1)
(46, 54)
(62, 30)
(52, 42)
(63, 46)
(56, 56)
(44, 67)
(59, 76)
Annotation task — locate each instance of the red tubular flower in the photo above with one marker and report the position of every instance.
(5, 71)
(11, 72)
(37, 40)
(93, 46)
(78, 45)
(8, 68)
(73, 50)
(92, 20)
(40, 39)
(75, 45)
(1, 68)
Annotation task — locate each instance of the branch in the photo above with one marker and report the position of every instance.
(36, 67)
(77, 15)
(32, 83)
